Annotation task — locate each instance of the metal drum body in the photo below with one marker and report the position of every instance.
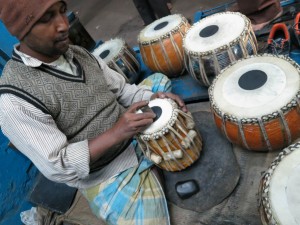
(161, 45)
(214, 42)
(119, 57)
(171, 142)
(255, 102)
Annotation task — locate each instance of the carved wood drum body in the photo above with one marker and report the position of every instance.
(161, 45)
(171, 141)
(119, 57)
(214, 42)
(255, 102)
(279, 189)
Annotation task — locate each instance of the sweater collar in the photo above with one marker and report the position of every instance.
(75, 73)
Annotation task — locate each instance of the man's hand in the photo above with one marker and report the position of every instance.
(131, 123)
(176, 98)
(128, 125)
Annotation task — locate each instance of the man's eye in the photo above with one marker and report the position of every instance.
(46, 18)
(63, 9)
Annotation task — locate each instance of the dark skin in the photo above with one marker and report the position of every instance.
(48, 40)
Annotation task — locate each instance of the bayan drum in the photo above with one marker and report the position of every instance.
(161, 45)
(279, 199)
(214, 42)
(255, 102)
(171, 141)
(119, 57)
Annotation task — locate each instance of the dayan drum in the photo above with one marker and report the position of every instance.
(214, 42)
(119, 57)
(255, 102)
(161, 45)
(171, 141)
(279, 189)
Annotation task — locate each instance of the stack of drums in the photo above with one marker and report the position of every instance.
(214, 42)
(161, 45)
(255, 102)
(279, 189)
(119, 57)
(171, 141)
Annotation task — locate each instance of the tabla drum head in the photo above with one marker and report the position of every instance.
(160, 27)
(255, 86)
(280, 194)
(109, 49)
(164, 110)
(214, 32)
(119, 57)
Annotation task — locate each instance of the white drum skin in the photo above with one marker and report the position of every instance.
(279, 189)
(262, 113)
(172, 141)
(216, 41)
(119, 57)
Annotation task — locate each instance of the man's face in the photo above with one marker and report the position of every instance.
(49, 37)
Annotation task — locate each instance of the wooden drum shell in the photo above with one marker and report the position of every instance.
(186, 161)
(254, 137)
(173, 146)
(165, 55)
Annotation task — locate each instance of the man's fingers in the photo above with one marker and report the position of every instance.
(136, 106)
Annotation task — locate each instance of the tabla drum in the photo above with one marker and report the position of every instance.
(161, 45)
(214, 42)
(119, 57)
(279, 199)
(171, 141)
(255, 102)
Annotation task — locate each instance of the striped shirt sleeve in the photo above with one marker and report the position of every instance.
(37, 136)
(127, 94)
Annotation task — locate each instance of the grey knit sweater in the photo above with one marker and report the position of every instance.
(82, 106)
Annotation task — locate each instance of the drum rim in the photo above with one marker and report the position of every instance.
(165, 36)
(223, 47)
(254, 120)
(114, 58)
(264, 200)
(158, 134)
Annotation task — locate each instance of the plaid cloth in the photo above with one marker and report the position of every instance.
(135, 195)
(132, 197)
(157, 82)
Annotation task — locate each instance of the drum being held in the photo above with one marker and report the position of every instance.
(214, 42)
(279, 189)
(171, 141)
(255, 102)
(119, 57)
(161, 45)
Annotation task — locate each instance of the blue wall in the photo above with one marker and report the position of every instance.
(17, 173)
(16, 180)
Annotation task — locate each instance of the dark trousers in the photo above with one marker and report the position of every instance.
(150, 10)
(259, 11)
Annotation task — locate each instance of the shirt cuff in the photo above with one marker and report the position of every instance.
(79, 158)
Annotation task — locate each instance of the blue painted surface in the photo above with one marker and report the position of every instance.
(17, 174)
(184, 86)
(16, 180)
(295, 55)
(7, 41)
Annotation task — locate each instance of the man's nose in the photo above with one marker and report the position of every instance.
(62, 23)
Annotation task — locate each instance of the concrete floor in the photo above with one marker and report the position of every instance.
(119, 18)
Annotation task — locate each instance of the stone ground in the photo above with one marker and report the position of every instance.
(119, 18)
